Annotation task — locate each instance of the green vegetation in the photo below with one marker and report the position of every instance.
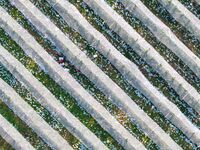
(7, 77)
(21, 126)
(181, 32)
(100, 25)
(4, 145)
(155, 79)
(192, 6)
(71, 104)
(60, 94)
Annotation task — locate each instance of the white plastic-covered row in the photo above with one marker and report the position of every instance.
(121, 27)
(72, 16)
(182, 15)
(12, 136)
(166, 36)
(66, 81)
(191, 23)
(198, 1)
(32, 119)
(44, 96)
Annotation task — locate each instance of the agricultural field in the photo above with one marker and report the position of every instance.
(100, 74)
